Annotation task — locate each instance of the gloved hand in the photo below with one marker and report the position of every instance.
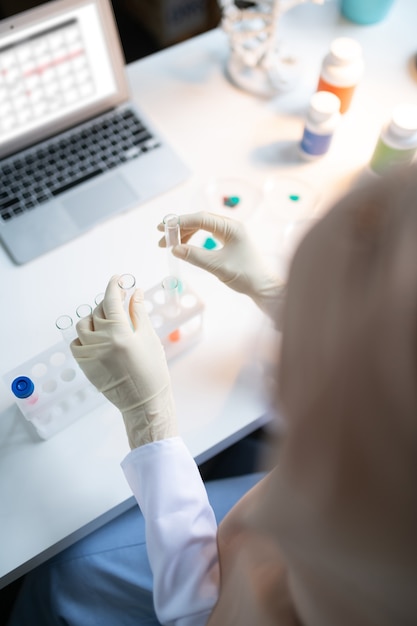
(237, 263)
(128, 365)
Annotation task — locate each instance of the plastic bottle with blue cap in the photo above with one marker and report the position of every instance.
(24, 390)
(322, 119)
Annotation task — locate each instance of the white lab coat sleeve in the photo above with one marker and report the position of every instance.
(181, 530)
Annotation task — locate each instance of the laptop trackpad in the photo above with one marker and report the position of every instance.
(93, 204)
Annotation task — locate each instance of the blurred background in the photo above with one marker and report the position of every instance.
(146, 26)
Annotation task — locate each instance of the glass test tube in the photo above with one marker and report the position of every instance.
(172, 238)
(170, 287)
(83, 310)
(99, 298)
(65, 324)
(127, 283)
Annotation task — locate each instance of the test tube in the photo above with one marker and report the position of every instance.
(65, 324)
(83, 310)
(99, 298)
(127, 283)
(172, 238)
(170, 287)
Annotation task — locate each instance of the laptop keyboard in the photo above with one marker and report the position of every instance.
(44, 172)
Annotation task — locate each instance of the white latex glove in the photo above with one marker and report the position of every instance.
(128, 365)
(237, 263)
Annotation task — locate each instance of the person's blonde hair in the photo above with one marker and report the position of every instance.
(345, 499)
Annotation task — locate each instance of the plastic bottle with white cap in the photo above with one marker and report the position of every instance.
(397, 143)
(341, 70)
(322, 119)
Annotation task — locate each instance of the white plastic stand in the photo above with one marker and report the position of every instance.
(62, 392)
(180, 327)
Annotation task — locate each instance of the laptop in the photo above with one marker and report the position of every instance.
(74, 149)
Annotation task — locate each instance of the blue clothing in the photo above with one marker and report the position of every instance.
(105, 579)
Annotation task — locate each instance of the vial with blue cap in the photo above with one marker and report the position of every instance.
(24, 389)
(322, 119)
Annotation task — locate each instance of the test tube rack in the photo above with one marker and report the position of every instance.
(63, 394)
(178, 328)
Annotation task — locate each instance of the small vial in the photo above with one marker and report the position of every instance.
(341, 70)
(322, 119)
(172, 238)
(170, 287)
(397, 143)
(83, 310)
(127, 282)
(24, 389)
(65, 324)
(172, 230)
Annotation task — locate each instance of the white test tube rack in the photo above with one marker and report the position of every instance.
(180, 326)
(62, 393)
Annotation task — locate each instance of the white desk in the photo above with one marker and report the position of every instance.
(53, 492)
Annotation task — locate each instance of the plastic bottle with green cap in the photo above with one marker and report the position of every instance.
(397, 143)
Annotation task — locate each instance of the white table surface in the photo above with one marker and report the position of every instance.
(53, 492)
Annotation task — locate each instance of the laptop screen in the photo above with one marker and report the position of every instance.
(52, 69)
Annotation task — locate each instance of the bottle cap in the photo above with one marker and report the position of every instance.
(23, 387)
(323, 104)
(404, 120)
(345, 50)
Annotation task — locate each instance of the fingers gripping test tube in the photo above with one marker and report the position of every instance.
(127, 282)
(172, 238)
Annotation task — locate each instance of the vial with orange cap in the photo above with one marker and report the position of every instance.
(341, 70)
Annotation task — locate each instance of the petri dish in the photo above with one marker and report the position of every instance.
(234, 197)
